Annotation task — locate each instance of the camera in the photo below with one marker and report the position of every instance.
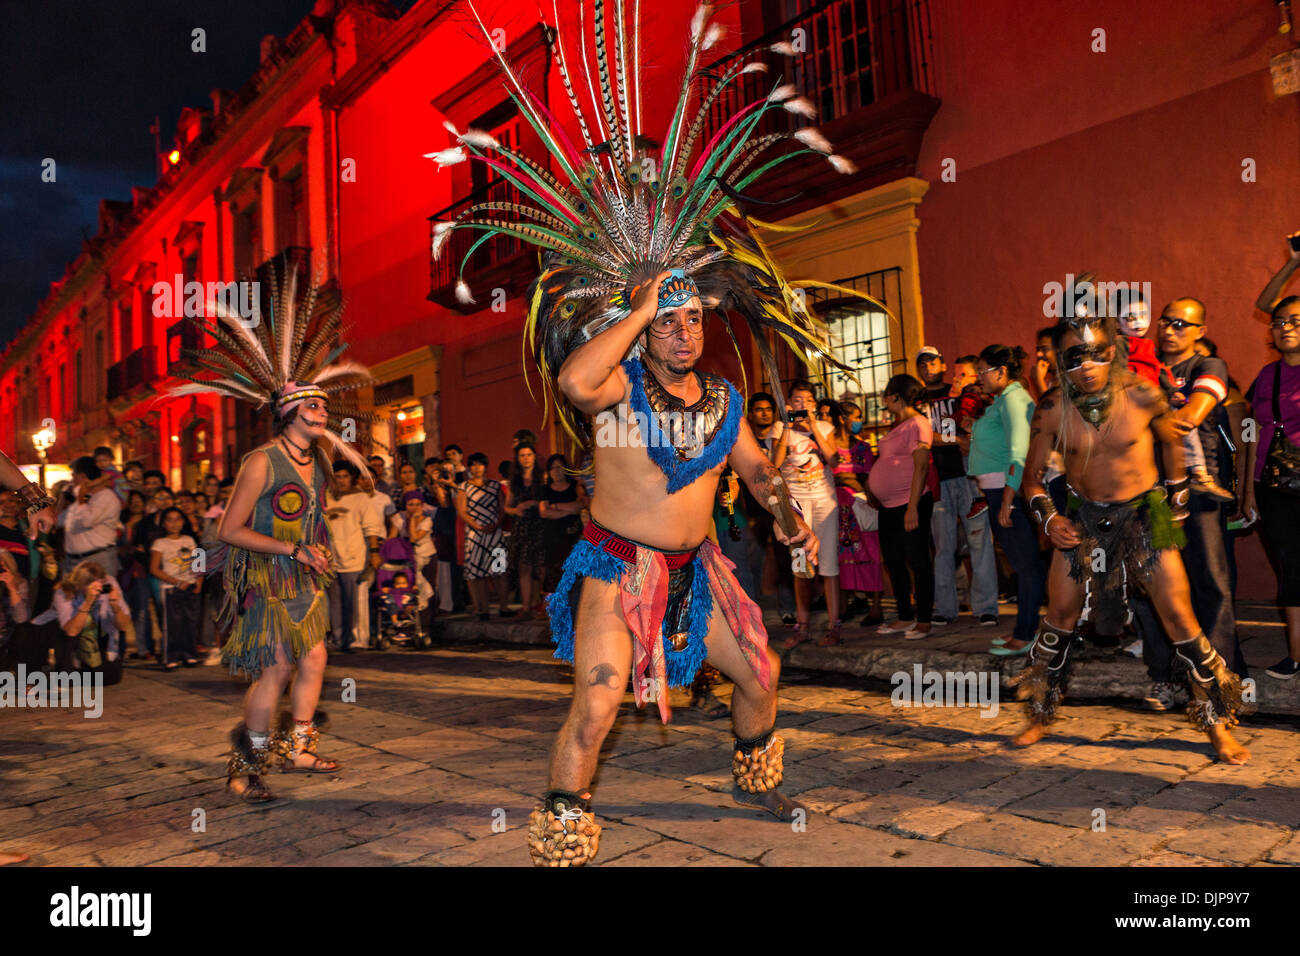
(799, 415)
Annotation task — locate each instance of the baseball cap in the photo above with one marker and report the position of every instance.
(929, 351)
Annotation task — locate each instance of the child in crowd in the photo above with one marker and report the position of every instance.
(171, 561)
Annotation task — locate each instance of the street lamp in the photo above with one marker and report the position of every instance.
(44, 441)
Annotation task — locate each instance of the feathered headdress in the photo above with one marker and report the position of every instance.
(281, 355)
(622, 208)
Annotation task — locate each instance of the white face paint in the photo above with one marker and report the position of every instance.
(1136, 320)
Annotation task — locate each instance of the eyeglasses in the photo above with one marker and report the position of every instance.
(981, 374)
(1179, 324)
(1278, 325)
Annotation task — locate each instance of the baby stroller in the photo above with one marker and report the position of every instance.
(398, 596)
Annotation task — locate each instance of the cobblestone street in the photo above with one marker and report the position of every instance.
(444, 753)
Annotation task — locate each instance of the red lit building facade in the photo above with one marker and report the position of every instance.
(1128, 162)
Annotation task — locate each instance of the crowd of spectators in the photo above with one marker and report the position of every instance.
(927, 498)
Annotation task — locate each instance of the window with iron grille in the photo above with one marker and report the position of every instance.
(861, 339)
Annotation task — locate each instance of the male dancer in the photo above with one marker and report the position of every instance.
(640, 234)
(1119, 526)
(646, 565)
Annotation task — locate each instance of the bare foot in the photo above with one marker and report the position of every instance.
(1030, 735)
(12, 858)
(1226, 746)
(774, 802)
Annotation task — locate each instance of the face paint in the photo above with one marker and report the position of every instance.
(1136, 322)
(1077, 356)
(855, 426)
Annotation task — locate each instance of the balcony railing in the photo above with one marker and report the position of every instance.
(181, 335)
(866, 66)
(137, 370)
(496, 263)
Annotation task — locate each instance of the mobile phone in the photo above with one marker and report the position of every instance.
(801, 414)
(1295, 242)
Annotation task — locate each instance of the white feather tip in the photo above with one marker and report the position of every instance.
(480, 139)
(801, 106)
(758, 66)
(782, 93)
(813, 139)
(713, 35)
(463, 294)
(843, 164)
(448, 157)
(697, 21)
(441, 233)
(785, 47)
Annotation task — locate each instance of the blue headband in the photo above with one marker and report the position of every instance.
(677, 290)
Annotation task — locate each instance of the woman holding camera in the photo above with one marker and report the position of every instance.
(92, 612)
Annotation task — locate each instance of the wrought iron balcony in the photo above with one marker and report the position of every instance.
(502, 262)
(181, 335)
(136, 371)
(865, 65)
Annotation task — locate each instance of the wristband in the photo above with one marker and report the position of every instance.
(1043, 509)
(34, 498)
(293, 555)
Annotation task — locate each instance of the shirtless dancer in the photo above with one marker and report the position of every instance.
(1119, 527)
(643, 518)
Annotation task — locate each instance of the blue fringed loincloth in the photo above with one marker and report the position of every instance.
(587, 560)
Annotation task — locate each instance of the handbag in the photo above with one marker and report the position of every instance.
(1282, 463)
(868, 517)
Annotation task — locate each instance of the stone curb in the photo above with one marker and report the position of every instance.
(1096, 676)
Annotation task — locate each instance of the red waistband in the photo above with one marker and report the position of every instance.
(625, 550)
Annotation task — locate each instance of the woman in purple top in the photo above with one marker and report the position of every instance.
(1279, 512)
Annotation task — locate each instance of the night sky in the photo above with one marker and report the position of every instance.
(81, 82)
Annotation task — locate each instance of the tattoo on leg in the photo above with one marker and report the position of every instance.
(604, 675)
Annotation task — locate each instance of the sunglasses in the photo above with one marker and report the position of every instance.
(1077, 356)
(1179, 325)
(1278, 325)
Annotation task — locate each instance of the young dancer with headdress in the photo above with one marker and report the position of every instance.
(1121, 529)
(277, 565)
(638, 242)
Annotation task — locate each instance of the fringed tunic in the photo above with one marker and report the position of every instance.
(271, 599)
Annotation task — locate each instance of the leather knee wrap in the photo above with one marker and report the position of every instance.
(1046, 677)
(562, 831)
(1215, 689)
(759, 765)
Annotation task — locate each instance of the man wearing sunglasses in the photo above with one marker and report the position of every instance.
(1120, 530)
(1202, 387)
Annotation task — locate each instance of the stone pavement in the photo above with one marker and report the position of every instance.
(1099, 673)
(444, 752)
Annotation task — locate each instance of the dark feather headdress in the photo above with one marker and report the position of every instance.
(287, 351)
(620, 209)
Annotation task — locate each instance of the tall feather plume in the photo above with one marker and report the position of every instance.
(600, 229)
